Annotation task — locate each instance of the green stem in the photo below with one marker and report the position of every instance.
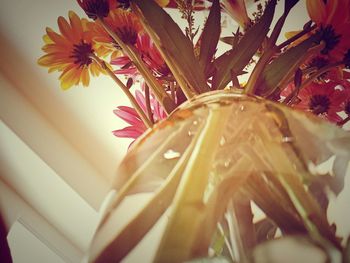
(189, 208)
(227, 242)
(277, 30)
(236, 241)
(164, 99)
(258, 69)
(320, 72)
(295, 37)
(148, 103)
(187, 89)
(141, 223)
(127, 92)
(291, 98)
(244, 217)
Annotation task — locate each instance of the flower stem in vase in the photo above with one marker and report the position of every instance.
(189, 209)
(164, 99)
(127, 92)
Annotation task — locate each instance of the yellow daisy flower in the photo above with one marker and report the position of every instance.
(70, 52)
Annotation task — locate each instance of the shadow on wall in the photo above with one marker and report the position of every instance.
(49, 128)
(5, 253)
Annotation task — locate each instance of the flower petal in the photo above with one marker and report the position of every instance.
(128, 114)
(65, 29)
(316, 10)
(129, 132)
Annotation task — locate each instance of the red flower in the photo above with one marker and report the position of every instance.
(129, 115)
(323, 100)
(150, 56)
(333, 20)
(124, 23)
(97, 8)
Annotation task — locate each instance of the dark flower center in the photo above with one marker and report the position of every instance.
(127, 34)
(347, 59)
(328, 35)
(81, 54)
(319, 104)
(95, 8)
(318, 62)
(124, 4)
(347, 108)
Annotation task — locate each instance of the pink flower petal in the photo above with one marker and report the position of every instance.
(128, 114)
(140, 98)
(129, 132)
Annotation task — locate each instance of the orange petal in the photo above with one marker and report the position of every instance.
(76, 23)
(69, 77)
(52, 59)
(95, 69)
(52, 48)
(65, 29)
(56, 38)
(47, 39)
(85, 77)
(338, 12)
(316, 10)
(46, 60)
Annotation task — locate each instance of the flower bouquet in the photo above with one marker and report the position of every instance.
(211, 149)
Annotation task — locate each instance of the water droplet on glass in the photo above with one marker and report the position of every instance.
(295, 167)
(222, 141)
(195, 122)
(191, 133)
(287, 139)
(227, 163)
(171, 154)
(241, 108)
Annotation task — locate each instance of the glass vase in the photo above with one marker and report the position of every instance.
(208, 162)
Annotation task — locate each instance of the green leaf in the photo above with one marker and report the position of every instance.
(282, 66)
(210, 36)
(120, 244)
(175, 47)
(188, 208)
(240, 56)
(289, 4)
(232, 41)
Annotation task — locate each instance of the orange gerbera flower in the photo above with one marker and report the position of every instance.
(70, 52)
(103, 42)
(333, 20)
(124, 23)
